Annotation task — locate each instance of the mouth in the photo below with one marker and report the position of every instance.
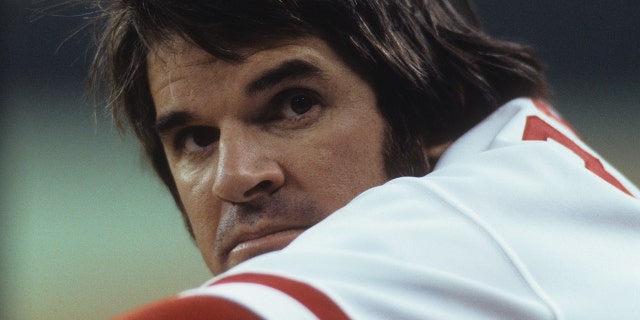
(254, 245)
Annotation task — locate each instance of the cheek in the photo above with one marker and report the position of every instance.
(342, 162)
(358, 144)
(358, 158)
(194, 186)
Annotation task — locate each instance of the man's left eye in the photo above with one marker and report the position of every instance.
(301, 103)
(294, 103)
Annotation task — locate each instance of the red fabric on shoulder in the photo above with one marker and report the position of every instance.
(313, 299)
(192, 308)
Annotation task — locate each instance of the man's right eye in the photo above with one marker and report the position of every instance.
(193, 139)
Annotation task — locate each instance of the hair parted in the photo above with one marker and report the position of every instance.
(435, 72)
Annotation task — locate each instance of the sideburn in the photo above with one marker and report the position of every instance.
(403, 156)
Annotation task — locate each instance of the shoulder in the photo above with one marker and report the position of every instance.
(244, 296)
(529, 135)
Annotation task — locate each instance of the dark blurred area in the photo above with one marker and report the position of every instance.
(582, 41)
(585, 41)
(36, 53)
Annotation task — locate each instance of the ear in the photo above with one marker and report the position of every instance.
(433, 153)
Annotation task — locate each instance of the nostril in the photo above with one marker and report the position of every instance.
(260, 187)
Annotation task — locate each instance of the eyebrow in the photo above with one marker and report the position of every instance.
(295, 68)
(167, 122)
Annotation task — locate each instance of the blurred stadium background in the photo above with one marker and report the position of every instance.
(87, 231)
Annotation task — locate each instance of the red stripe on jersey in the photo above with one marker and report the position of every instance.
(192, 308)
(314, 300)
(546, 109)
(538, 129)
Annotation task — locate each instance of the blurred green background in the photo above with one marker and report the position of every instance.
(87, 231)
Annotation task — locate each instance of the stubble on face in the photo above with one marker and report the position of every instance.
(240, 221)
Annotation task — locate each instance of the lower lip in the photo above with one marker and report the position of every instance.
(255, 247)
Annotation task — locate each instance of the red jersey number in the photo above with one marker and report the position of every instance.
(538, 129)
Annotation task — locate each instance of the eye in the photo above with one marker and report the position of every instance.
(294, 103)
(194, 138)
(301, 103)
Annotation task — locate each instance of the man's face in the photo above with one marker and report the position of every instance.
(263, 148)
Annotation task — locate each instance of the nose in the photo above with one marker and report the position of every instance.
(245, 169)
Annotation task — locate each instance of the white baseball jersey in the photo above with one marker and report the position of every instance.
(519, 220)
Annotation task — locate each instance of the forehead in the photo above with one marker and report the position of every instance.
(178, 52)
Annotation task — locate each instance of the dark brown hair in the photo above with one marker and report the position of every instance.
(435, 73)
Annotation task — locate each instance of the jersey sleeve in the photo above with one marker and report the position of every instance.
(197, 307)
(245, 296)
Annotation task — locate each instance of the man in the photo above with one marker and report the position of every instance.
(367, 159)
